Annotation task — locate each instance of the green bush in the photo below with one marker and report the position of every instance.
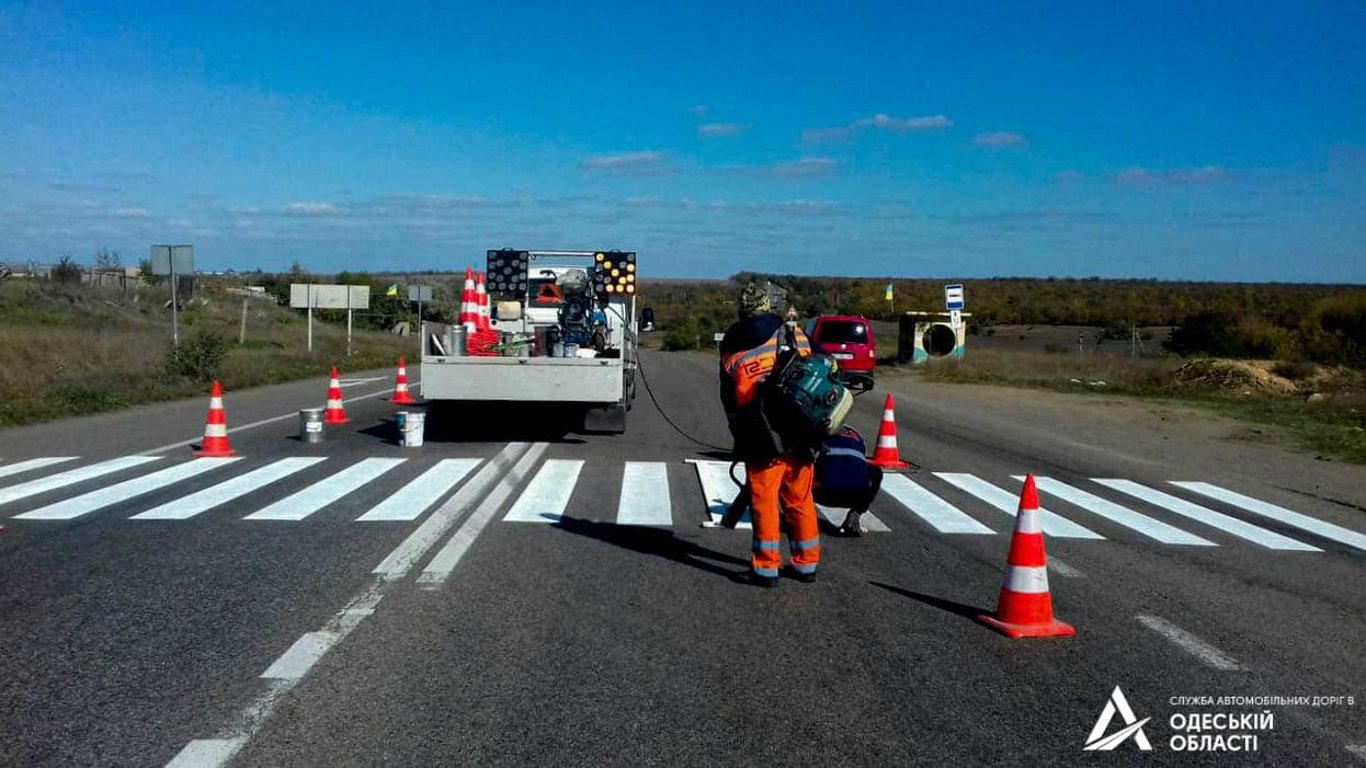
(1335, 330)
(199, 356)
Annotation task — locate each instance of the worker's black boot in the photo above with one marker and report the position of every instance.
(851, 525)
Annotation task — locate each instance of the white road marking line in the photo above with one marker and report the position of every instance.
(1064, 569)
(1281, 514)
(217, 495)
(301, 656)
(869, 522)
(718, 490)
(353, 382)
(645, 494)
(1359, 750)
(1225, 523)
(410, 501)
(71, 477)
(940, 514)
(300, 505)
(207, 753)
(261, 423)
(1153, 529)
(39, 463)
(397, 564)
(1201, 650)
(448, 557)
(1053, 524)
(113, 494)
(547, 495)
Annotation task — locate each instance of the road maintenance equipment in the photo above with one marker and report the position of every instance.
(886, 455)
(1025, 606)
(215, 443)
(335, 413)
(401, 394)
(564, 333)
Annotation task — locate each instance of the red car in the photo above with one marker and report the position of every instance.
(848, 339)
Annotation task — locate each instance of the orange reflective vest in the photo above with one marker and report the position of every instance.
(750, 367)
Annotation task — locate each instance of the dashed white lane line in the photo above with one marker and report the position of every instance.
(1281, 514)
(207, 753)
(71, 477)
(112, 494)
(1201, 650)
(25, 466)
(440, 567)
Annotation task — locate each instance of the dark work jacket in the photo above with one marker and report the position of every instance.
(755, 440)
(841, 466)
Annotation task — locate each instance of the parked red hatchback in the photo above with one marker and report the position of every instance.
(848, 339)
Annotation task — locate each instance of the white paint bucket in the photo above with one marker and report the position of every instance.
(412, 425)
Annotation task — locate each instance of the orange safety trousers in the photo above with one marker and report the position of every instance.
(783, 482)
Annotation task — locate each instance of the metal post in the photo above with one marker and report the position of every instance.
(420, 347)
(242, 332)
(175, 317)
(348, 322)
(310, 318)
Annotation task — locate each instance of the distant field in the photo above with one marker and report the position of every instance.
(68, 349)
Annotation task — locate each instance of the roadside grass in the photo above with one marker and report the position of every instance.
(70, 350)
(1334, 426)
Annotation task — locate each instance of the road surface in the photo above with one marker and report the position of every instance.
(512, 594)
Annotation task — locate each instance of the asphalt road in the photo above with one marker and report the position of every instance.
(515, 618)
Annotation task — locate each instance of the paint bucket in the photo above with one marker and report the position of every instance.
(411, 424)
(311, 425)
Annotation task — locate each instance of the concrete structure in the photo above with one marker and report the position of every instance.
(925, 335)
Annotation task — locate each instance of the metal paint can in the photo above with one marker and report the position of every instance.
(311, 425)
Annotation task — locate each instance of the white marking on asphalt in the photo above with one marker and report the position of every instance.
(1233, 525)
(1007, 502)
(301, 656)
(39, 463)
(1201, 650)
(217, 495)
(410, 501)
(1359, 750)
(326, 491)
(406, 554)
(354, 382)
(1064, 569)
(869, 522)
(255, 424)
(1153, 529)
(113, 494)
(207, 753)
(71, 477)
(645, 494)
(1281, 514)
(718, 489)
(547, 495)
(448, 557)
(940, 514)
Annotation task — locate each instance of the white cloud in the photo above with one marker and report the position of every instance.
(698, 109)
(716, 130)
(133, 213)
(998, 139)
(805, 168)
(880, 121)
(1142, 176)
(627, 164)
(311, 209)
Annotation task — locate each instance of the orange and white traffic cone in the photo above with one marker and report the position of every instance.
(401, 394)
(481, 296)
(469, 307)
(1025, 607)
(886, 455)
(334, 414)
(215, 443)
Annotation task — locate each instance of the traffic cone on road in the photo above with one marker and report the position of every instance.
(215, 443)
(1025, 607)
(334, 414)
(469, 307)
(886, 455)
(401, 394)
(481, 296)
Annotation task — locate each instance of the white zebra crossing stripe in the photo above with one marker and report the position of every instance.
(1280, 514)
(217, 495)
(313, 498)
(1053, 524)
(418, 495)
(1225, 523)
(645, 494)
(31, 464)
(940, 514)
(1153, 529)
(547, 495)
(71, 477)
(869, 522)
(719, 490)
(113, 494)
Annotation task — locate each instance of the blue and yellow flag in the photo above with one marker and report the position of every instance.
(889, 291)
(391, 290)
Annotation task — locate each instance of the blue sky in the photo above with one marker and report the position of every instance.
(1173, 140)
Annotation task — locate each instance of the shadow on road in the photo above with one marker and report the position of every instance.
(660, 542)
(958, 609)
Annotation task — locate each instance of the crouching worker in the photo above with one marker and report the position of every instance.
(844, 478)
(779, 474)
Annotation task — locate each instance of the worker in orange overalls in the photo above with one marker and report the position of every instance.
(779, 473)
